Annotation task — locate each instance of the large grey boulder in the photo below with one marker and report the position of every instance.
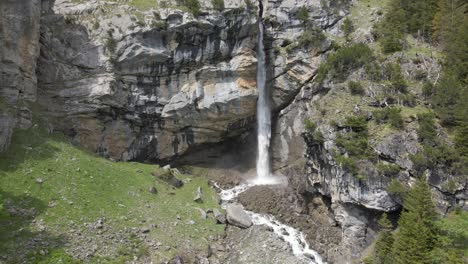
(237, 216)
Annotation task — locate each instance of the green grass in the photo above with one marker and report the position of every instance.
(361, 12)
(420, 48)
(143, 4)
(85, 187)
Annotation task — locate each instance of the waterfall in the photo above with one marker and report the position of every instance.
(263, 115)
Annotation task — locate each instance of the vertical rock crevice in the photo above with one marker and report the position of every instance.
(260, 8)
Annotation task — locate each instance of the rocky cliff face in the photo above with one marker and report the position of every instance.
(19, 50)
(153, 84)
(147, 85)
(312, 166)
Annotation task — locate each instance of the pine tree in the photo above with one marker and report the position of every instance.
(450, 13)
(416, 236)
(390, 31)
(383, 246)
(446, 98)
(419, 16)
(461, 112)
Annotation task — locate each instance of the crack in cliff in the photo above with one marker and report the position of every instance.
(260, 8)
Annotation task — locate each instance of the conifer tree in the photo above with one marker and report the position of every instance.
(416, 236)
(390, 31)
(383, 246)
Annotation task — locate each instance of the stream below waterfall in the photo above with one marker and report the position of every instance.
(292, 236)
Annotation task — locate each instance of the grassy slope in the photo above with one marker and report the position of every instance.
(85, 187)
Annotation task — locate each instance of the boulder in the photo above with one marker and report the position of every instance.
(198, 197)
(202, 212)
(220, 218)
(152, 189)
(237, 216)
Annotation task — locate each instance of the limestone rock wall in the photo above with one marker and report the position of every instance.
(151, 87)
(19, 50)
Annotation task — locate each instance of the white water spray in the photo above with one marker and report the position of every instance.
(263, 116)
(296, 239)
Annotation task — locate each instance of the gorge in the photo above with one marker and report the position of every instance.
(128, 126)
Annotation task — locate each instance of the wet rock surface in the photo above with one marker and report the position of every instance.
(258, 245)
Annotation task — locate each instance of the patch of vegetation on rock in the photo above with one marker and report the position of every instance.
(218, 4)
(391, 115)
(342, 62)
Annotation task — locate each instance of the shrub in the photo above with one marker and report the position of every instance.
(355, 141)
(390, 30)
(315, 135)
(373, 71)
(345, 60)
(218, 4)
(161, 25)
(356, 124)
(388, 169)
(354, 144)
(392, 43)
(397, 188)
(192, 5)
(392, 115)
(355, 87)
(96, 24)
(392, 72)
(427, 89)
(303, 14)
(140, 23)
(347, 27)
(310, 125)
(111, 44)
(250, 5)
(347, 164)
(399, 84)
(426, 131)
(311, 38)
(420, 75)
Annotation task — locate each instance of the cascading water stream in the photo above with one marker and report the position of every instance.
(263, 115)
(295, 238)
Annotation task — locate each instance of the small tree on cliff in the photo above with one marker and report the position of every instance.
(383, 246)
(416, 236)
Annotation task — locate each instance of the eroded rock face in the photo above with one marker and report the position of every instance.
(19, 49)
(167, 82)
(130, 89)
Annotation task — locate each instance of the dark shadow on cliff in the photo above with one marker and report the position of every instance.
(237, 154)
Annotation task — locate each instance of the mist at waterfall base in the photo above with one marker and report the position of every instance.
(264, 176)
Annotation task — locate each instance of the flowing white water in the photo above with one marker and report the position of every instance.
(263, 116)
(294, 237)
